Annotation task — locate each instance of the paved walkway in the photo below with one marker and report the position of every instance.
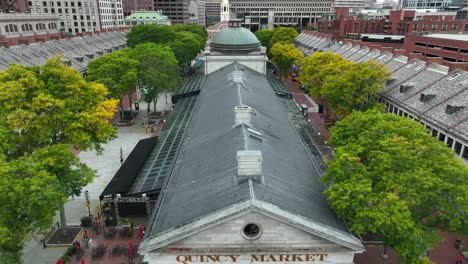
(106, 165)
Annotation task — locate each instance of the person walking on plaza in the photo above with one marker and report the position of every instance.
(459, 259)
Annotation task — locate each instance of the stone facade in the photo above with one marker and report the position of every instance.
(18, 29)
(278, 242)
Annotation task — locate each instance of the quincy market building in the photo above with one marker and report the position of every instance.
(243, 188)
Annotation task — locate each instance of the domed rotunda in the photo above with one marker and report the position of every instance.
(235, 44)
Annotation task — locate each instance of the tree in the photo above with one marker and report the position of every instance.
(195, 29)
(117, 71)
(150, 33)
(29, 195)
(355, 88)
(185, 47)
(285, 35)
(70, 173)
(46, 110)
(285, 55)
(317, 67)
(390, 177)
(264, 36)
(158, 69)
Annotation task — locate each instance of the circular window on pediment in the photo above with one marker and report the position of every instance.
(251, 231)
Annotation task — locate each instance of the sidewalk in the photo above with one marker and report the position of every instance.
(106, 165)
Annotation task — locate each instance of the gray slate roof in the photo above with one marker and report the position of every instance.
(78, 50)
(418, 79)
(204, 179)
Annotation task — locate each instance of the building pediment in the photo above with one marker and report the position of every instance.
(223, 232)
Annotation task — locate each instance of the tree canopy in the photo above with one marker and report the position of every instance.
(158, 71)
(264, 36)
(150, 33)
(345, 85)
(285, 55)
(117, 71)
(46, 110)
(392, 178)
(285, 35)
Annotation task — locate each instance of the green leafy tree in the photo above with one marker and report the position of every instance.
(185, 48)
(150, 33)
(46, 110)
(285, 55)
(317, 67)
(355, 88)
(158, 70)
(117, 71)
(264, 36)
(29, 195)
(285, 35)
(192, 28)
(391, 178)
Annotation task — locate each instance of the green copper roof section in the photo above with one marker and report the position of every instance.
(235, 36)
(147, 16)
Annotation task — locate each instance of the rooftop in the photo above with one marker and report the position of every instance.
(204, 180)
(147, 15)
(448, 36)
(235, 37)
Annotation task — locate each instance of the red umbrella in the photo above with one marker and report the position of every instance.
(140, 229)
(59, 261)
(82, 261)
(130, 248)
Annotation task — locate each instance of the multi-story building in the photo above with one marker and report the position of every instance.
(266, 13)
(130, 6)
(355, 5)
(449, 47)
(425, 4)
(75, 16)
(212, 12)
(175, 10)
(196, 11)
(13, 6)
(18, 29)
(182, 11)
(110, 14)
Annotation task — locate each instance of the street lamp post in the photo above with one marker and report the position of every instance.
(88, 203)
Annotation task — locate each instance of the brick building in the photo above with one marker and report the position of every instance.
(449, 47)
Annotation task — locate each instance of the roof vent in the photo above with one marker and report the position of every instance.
(426, 97)
(90, 56)
(67, 62)
(80, 59)
(243, 115)
(451, 109)
(406, 87)
(249, 163)
(453, 76)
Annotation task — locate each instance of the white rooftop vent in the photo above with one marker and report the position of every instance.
(249, 163)
(243, 115)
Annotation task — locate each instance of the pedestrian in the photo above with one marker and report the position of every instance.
(459, 259)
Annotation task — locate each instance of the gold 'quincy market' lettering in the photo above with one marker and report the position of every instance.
(186, 259)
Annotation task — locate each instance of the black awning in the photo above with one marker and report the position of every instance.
(124, 177)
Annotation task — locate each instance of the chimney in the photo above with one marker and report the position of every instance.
(249, 163)
(243, 115)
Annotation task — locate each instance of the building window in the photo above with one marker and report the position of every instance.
(415, 27)
(251, 231)
(40, 26)
(10, 28)
(26, 27)
(424, 28)
(434, 27)
(52, 26)
(454, 27)
(444, 27)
